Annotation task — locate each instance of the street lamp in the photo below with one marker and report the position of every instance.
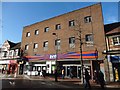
(56, 73)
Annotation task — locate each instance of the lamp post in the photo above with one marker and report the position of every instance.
(56, 72)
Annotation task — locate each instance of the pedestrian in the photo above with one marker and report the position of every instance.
(44, 73)
(100, 78)
(62, 73)
(87, 78)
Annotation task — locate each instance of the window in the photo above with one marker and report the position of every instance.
(89, 38)
(116, 40)
(72, 42)
(28, 34)
(36, 32)
(57, 44)
(87, 19)
(45, 45)
(72, 23)
(58, 26)
(26, 47)
(46, 29)
(35, 45)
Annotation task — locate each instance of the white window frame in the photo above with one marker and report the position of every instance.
(118, 40)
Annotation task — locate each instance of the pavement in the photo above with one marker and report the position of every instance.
(65, 80)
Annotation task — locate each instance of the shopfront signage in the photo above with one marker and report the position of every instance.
(53, 56)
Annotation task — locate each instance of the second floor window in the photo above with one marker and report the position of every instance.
(116, 40)
(45, 45)
(71, 23)
(46, 29)
(89, 38)
(57, 42)
(72, 42)
(58, 26)
(36, 32)
(28, 34)
(35, 45)
(87, 19)
(26, 47)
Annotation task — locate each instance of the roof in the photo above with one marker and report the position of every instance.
(12, 44)
(17, 46)
(112, 28)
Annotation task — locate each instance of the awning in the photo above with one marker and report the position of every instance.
(115, 59)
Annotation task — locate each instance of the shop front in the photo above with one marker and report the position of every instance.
(115, 60)
(70, 62)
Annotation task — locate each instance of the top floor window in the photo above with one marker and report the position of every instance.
(87, 19)
(89, 38)
(46, 29)
(36, 32)
(58, 26)
(116, 40)
(28, 34)
(71, 23)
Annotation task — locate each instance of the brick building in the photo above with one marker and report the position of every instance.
(61, 34)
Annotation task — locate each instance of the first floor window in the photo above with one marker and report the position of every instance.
(89, 38)
(26, 47)
(116, 40)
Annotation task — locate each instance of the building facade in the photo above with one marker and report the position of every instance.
(59, 39)
(113, 49)
(9, 57)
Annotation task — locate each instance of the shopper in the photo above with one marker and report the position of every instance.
(87, 78)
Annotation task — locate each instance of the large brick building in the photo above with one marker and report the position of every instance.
(61, 34)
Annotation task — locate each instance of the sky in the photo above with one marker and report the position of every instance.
(16, 15)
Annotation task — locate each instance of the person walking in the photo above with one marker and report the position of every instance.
(87, 78)
(100, 78)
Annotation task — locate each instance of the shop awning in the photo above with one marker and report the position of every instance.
(115, 59)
